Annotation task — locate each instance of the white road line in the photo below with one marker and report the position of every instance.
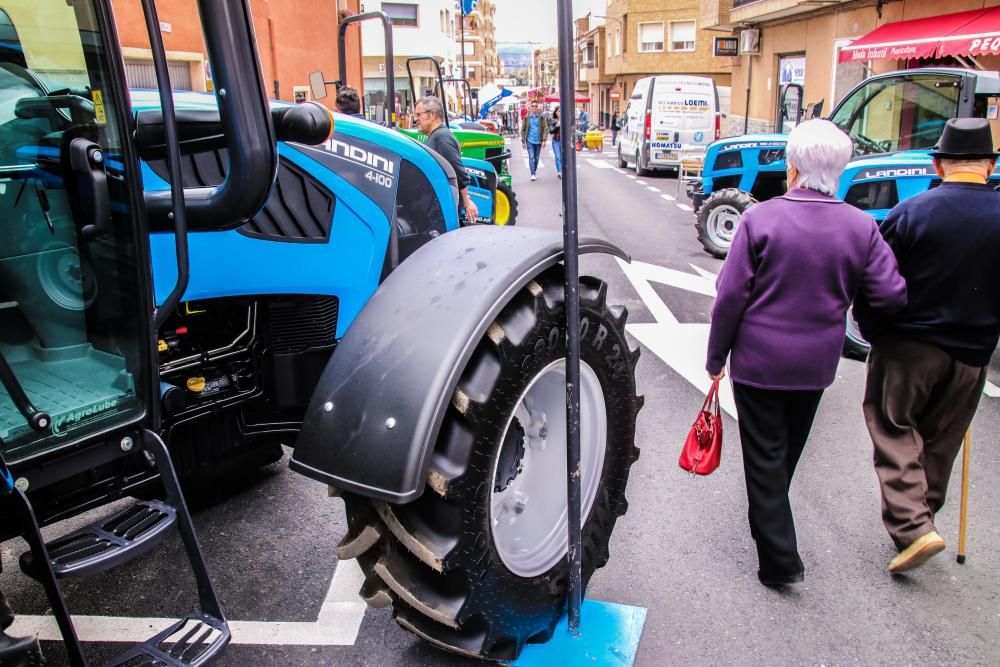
(653, 188)
(641, 182)
(684, 207)
(337, 624)
(599, 164)
(991, 390)
(630, 176)
(668, 197)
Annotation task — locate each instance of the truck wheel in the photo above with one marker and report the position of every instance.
(477, 564)
(639, 169)
(506, 204)
(719, 218)
(621, 161)
(855, 345)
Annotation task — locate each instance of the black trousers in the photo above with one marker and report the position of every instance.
(774, 426)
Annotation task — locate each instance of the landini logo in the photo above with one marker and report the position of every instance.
(71, 419)
(362, 156)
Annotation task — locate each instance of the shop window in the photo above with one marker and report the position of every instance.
(682, 35)
(650, 37)
(403, 14)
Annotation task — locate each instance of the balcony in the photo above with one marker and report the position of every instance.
(755, 11)
(715, 14)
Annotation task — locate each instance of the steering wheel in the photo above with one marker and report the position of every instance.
(867, 145)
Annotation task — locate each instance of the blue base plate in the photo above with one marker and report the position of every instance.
(609, 635)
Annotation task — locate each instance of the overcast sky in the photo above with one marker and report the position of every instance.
(535, 20)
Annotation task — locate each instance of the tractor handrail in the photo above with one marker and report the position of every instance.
(246, 120)
(439, 85)
(390, 74)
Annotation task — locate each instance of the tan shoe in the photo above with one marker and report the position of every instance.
(918, 553)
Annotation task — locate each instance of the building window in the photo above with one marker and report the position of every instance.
(403, 14)
(470, 48)
(650, 37)
(682, 35)
(618, 42)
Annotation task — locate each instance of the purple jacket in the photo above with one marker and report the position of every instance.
(796, 263)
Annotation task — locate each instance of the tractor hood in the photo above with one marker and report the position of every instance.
(745, 141)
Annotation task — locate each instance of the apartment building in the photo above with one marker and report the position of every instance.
(545, 67)
(481, 62)
(289, 47)
(637, 38)
(592, 77)
(809, 44)
(424, 28)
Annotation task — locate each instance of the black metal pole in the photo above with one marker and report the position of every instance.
(746, 112)
(567, 114)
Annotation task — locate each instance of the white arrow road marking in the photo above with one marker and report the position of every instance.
(599, 164)
(683, 347)
(338, 622)
(991, 390)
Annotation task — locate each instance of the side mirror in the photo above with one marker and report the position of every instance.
(317, 83)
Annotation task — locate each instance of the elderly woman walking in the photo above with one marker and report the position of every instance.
(796, 263)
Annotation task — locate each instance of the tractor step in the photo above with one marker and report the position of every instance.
(190, 642)
(114, 540)
(19, 651)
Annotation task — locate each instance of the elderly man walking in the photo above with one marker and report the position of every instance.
(534, 132)
(430, 120)
(927, 367)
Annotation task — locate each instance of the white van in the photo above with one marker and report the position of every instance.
(669, 118)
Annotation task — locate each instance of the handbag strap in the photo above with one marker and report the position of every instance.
(712, 398)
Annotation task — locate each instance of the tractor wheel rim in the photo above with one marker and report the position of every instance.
(503, 208)
(528, 509)
(722, 223)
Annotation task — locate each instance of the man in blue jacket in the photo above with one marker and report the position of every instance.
(927, 367)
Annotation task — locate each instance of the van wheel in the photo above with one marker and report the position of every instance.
(477, 564)
(622, 164)
(639, 169)
(719, 218)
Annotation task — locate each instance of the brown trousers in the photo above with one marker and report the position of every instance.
(918, 404)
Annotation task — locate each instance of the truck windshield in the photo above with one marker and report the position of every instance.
(70, 297)
(905, 112)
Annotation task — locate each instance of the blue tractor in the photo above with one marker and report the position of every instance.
(187, 280)
(893, 120)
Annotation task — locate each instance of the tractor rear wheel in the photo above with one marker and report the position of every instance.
(719, 218)
(477, 564)
(506, 204)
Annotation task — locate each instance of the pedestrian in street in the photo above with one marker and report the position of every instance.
(349, 102)
(556, 141)
(927, 365)
(582, 120)
(534, 133)
(430, 120)
(796, 263)
(614, 129)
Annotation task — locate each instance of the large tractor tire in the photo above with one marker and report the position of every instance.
(855, 345)
(506, 204)
(477, 564)
(719, 218)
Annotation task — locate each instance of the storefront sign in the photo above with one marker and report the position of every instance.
(726, 46)
(792, 70)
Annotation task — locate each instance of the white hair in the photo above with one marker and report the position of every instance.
(819, 151)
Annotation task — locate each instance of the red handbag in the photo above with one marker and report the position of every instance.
(702, 450)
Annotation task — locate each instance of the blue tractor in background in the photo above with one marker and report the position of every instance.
(893, 120)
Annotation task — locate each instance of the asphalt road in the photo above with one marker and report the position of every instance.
(683, 551)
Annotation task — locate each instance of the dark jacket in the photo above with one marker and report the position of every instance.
(443, 142)
(796, 263)
(947, 243)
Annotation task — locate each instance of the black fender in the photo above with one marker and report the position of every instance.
(377, 409)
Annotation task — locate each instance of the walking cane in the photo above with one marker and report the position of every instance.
(963, 514)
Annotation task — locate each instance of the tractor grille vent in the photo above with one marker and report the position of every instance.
(303, 323)
(299, 209)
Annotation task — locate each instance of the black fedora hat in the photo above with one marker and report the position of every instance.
(965, 138)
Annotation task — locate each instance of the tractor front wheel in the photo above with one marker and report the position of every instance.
(506, 204)
(719, 218)
(477, 564)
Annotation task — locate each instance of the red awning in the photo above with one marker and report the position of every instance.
(973, 33)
